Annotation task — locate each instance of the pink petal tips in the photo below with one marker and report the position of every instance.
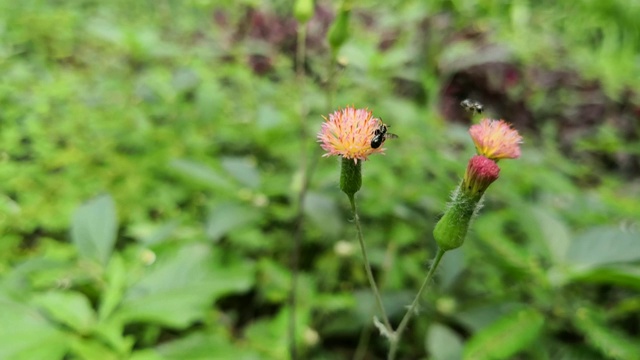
(495, 139)
(348, 133)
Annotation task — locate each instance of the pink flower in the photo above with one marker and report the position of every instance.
(481, 172)
(348, 133)
(495, 139)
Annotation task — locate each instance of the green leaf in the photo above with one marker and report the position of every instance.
(620, 275)
(323, 211)
(603, 245)
(70, 308)
(202, 173)
(269, 335)
(91, 349)
(553, 231)
(506, 337)
(610, 342)
(274, 280)
(30, 335)
(242, 169)
(116, 281)
(451, 266)
(111, 332)
(200, 346)
(227, 216)
(149, 234)
(480, 317)
(490, 229)
(443, 343)
(146, 354)
(180, 287)
(94, 229)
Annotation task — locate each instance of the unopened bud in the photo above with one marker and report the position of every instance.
(339, 31)
(452, 228)
(303, 10)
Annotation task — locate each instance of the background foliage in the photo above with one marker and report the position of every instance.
(150, 159)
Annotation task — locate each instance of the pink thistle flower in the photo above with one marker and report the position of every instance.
(481, 172)
(348, 133)
(495, 139)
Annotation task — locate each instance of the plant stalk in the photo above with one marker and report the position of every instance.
(367, 266)
(412, 309)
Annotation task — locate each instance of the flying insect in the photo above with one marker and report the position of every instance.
(472, 106)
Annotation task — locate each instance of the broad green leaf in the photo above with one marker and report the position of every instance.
(70, 308)
(553, 231)
(227, 216)
(185, 79)
(268, 117)
(610, 342)
(202, 173)
(480, 317)
(506, 337)
(151, 234)
(451, 266)
(244, 170)
(604, 245)
(323, 211)
(274, 280)
(180, 287)
(87, 348)
(489, 228)
(41, 272)
(146, 354)
(111, 332)
(26, 335)
(115, 287)
(199, 346)
(620, 275)
(443, 343)
(209, 99)
(269, 335)
(94, 229)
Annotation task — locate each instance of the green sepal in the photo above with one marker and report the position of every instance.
(350, 176)
(451, 229)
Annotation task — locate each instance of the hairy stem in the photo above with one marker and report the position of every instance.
(367, 266)
(412, 309)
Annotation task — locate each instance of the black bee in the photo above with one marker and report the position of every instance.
(472, 106)
(380, 135)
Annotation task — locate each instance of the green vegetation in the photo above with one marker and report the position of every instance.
(151, 156)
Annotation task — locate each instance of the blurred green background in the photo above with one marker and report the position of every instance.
(151, 156)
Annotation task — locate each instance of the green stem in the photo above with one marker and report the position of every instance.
(365, 335)
(405, 320)
(299, 219)
(330, 87)
(367, 266)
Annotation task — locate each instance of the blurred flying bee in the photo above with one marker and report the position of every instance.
(380, 135)
(472, 106)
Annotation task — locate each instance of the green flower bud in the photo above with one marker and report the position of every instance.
(350, 176)
(339, 31)
(303, 10)
(452, 228)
